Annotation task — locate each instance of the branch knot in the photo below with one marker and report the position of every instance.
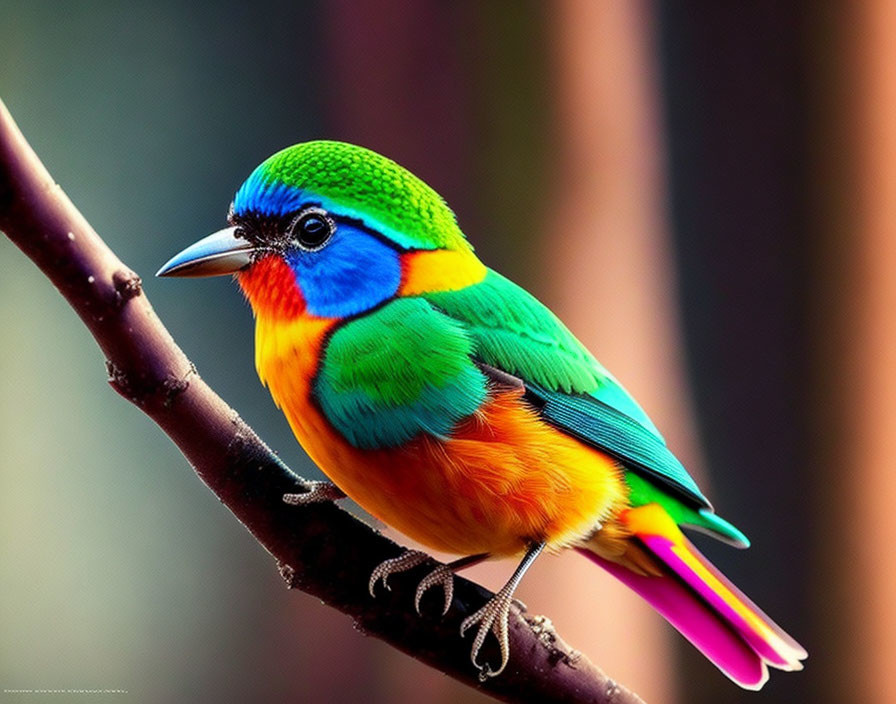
(139, 387)
(127, 285)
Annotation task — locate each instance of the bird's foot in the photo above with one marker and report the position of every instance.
(317, 492)
(406, 561)
(441, 575)
(492, 618)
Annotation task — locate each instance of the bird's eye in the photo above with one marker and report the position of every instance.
(311, 229)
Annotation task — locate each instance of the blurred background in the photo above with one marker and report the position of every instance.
(705, 192)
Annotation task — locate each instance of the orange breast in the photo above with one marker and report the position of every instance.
(503, 479)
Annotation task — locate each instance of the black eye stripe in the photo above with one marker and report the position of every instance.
(278, 232)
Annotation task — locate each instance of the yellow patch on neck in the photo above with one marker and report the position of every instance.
(440, 270)
(288, 348)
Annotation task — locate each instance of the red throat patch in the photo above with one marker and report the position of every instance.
(271, 287)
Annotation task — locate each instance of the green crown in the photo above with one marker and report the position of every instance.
(354, 182)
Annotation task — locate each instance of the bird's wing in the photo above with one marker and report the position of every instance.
(514, 333)
(399, 371)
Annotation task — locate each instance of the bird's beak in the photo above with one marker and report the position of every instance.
(217, 254)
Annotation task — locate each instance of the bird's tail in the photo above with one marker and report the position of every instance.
(708, 610)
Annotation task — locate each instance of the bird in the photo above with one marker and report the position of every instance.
(452, 405)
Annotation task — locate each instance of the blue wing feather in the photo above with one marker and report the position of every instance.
(616, 433)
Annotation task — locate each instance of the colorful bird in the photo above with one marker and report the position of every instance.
(454, 406)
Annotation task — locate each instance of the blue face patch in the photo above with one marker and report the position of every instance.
(352, 273)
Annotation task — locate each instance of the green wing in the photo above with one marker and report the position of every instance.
(516, 334)
(400, 371)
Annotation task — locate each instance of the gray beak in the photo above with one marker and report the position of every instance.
(217, 254)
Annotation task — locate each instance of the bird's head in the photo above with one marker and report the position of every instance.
(332, 229)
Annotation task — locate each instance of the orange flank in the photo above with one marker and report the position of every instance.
(504, 479)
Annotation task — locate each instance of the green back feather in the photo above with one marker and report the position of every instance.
(518, 334)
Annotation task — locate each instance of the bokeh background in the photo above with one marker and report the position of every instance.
(705, 192)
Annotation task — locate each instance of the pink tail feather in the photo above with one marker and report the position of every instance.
(703, 605)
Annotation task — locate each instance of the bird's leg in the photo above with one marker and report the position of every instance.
(444, 576)
(494, 615)
(406, 561)
(317, 492)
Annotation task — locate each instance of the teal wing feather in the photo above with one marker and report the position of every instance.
(514, 333)
(599, 424)
(402, 370)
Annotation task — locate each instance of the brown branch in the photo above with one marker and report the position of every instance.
(320, 549)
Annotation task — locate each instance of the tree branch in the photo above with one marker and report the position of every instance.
(320, 549)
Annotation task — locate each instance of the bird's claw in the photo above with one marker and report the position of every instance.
(492, 618)
(441, 575)
(317, 492)
(407, 560)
